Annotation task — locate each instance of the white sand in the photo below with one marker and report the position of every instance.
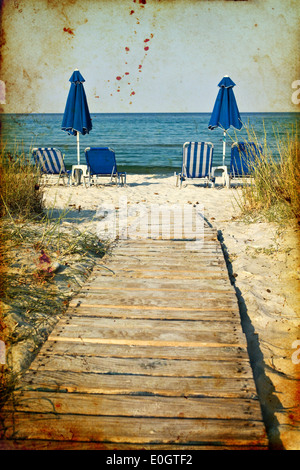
(264, 261)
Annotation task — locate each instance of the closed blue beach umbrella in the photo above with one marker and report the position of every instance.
(77, 119)
(225, 112)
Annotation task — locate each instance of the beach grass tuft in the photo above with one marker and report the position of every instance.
(273, 192)
(21, 189)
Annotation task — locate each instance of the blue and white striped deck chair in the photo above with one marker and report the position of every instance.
(244, 157)
(196, 162)
(51, 162)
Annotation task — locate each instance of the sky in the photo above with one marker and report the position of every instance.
(149, 55)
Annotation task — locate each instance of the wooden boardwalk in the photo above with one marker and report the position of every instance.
(150, 355)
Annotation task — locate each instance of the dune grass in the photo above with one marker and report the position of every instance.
(21, 190)
(275, 185)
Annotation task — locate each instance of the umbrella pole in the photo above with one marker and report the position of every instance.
(78, 149)
(224, 147)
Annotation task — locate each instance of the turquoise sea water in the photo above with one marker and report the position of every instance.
(144, 143)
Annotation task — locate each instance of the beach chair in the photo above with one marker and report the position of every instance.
(101, 161)
(196, 163)
(51, 163)
(244, 156)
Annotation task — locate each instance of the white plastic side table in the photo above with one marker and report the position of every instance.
(224, 175)
(77, 171)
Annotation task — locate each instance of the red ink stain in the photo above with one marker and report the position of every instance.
(126, 73)
(146, 40)
(118, 78)
(69, 30)
(140, 66)
(146, 48)
(132, 93)
(127, 49)
(143, 2)
(118, 90)
(132, 11)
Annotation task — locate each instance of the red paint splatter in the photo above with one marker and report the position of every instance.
(132, 11)
(126, 73)
(127, 49)
(140, 66)
(69, 30)
(118, 90)
(146, 40)
(132, 93)
(146, 48)
(118, 78)
(143, 2)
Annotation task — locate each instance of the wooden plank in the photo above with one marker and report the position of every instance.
(185, 312)
(81, 324)
(154, 367)
(141, 300)
(209, 343)
(146, 274)
(77, 347)
(229, 315)
(129, 285)
(211, 285)
(74, 382)
(136, 430)
(135, 406)
(158, 335)
(35, 444)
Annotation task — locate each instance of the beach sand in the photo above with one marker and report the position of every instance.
(263, 264)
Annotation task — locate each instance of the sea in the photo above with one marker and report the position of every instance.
(144, 143)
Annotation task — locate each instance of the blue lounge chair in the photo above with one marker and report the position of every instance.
(196, 162)
(51, 162)
(244, 156)
(101, 161)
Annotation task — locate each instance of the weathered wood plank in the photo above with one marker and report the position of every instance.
(97, 281)
(33, 444)
(167, 289)
(136, 430)
(147, 274)
(158, 334)
(119, 384)
(216, 352)
(223, 315)
(138, 299)
(154, 367)
(137, 406)
(81, 323)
